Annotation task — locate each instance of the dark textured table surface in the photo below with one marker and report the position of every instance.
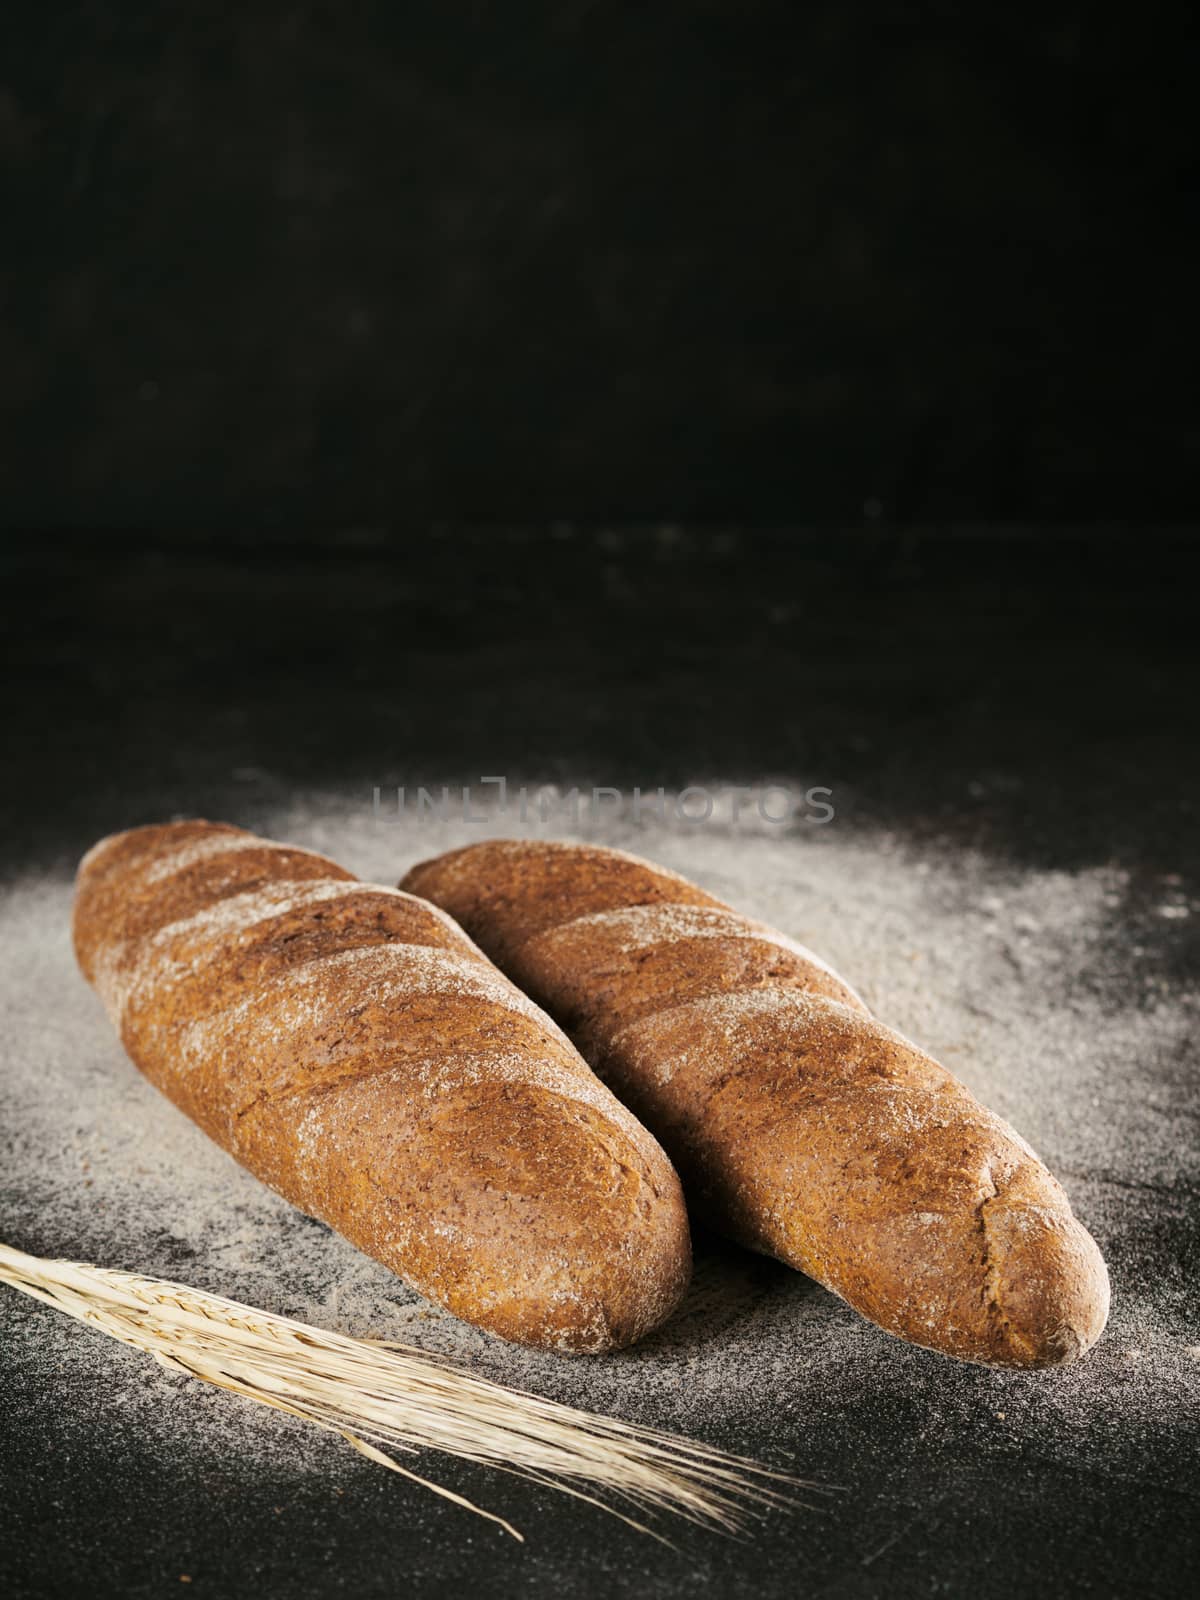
(1024, 700)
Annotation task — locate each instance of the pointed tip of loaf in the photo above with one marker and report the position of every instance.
(1049, 1286)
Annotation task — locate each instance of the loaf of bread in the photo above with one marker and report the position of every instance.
(352, 1047)
(800, 1125)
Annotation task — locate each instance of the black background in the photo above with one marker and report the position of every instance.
(324, 265)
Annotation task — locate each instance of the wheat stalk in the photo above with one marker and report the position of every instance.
(377, 1393)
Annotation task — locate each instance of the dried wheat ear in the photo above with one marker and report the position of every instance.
(383, 1397)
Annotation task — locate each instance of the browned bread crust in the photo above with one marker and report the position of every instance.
(800, 1125)
(352, 1047)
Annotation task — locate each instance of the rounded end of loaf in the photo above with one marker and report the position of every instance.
(587, 1301)
(543, 1215)
(507, 891)
(1048, 1288)
(599, 1236)
(109, 875)
(600, 1263)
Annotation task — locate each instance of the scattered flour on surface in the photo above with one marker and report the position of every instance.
(1023, 983)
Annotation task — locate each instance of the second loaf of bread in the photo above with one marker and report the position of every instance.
(352, 1047)
(800, 1125)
